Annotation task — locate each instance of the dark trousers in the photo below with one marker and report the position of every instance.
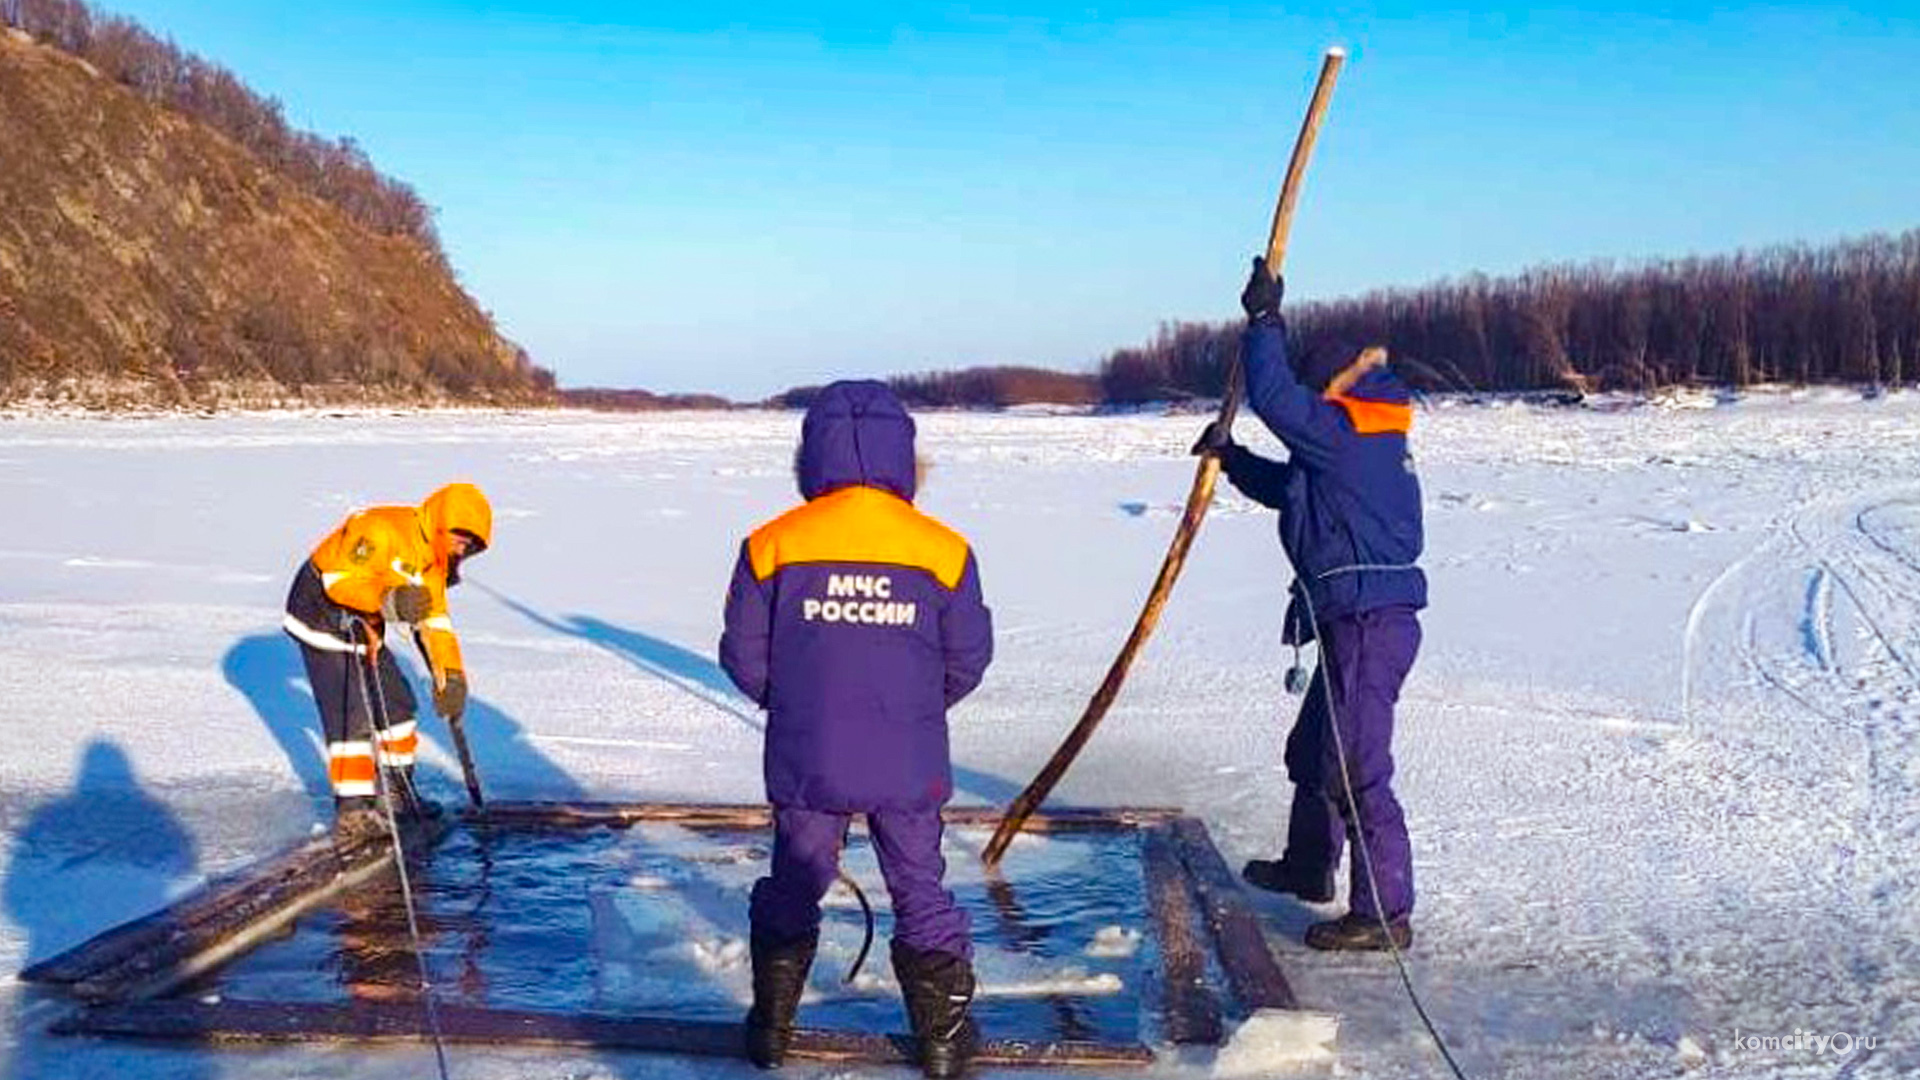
(333, 645)
(806, 862)
(1364, 659)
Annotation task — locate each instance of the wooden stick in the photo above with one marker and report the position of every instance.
(1192, 1013)
(1370, 357)
(211, 925)
(1199, 498)
(310, 861)
(1252, 972)
(760, 816)
(1282, 226)
(361, 1022)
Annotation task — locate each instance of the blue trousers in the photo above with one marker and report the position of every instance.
(806, 862)
(1363, 660)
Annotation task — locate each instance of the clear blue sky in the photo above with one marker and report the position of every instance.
(756, 196)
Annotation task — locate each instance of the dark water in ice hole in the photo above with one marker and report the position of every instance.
(653, 920)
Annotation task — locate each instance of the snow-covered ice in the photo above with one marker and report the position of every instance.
(1660, 754)
(1276, 1041)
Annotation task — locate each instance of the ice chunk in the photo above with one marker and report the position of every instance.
(1114, 942)
(720, 954)
(1274, 1039)
(1072, 982)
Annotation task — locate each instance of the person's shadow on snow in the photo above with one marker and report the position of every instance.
(267, 670)
(682, 667)
(99, 856)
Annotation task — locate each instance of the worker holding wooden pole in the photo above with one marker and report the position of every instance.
(1350, 522)
(1199, 498)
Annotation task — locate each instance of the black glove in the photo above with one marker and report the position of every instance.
(1214, 440)
(1261, 297)
(410, 603)
(451, 700)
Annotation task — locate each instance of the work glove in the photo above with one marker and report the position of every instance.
(1214, 440)
(1261, 297)
(410, 603)
(450, 698)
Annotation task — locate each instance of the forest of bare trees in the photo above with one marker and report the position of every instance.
(997, 387)
(335, 171)
(973, 388)
(1847, 312)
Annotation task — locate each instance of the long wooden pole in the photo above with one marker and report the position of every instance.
(1198, 499)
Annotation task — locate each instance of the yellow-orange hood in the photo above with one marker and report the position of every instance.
(458, 506)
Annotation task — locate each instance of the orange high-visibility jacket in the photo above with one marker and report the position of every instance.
(384, 547)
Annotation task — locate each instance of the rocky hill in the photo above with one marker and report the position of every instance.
(147, 259)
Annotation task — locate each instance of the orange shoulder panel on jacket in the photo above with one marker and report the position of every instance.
(1375, 417)
(391, 531)
(370, 553)
(859, 524)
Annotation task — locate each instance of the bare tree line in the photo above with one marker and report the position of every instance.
(995, 387)
(336, 171)
(1844, 312)
(1847, 312)
(612, 399)
(972, 388)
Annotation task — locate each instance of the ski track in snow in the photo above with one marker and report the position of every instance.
(1660, 754)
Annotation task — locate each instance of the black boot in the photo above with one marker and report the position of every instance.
(356, 821)
(1359, 933)
(1278, 875)
(779, 978)
(938, 988)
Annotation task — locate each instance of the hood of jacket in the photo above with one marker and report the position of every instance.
(856, 434)
(457, 507)
(1381, 384)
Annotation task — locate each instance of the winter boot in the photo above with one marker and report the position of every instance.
(356, 820)
(1359, 933)
(938, 988)
(779, 978)
(1278, 875)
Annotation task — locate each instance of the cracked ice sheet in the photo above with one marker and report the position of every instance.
(1612, 885)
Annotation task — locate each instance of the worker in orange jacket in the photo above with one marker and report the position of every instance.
(384, 563)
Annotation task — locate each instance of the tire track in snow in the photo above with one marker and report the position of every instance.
(1871, 556)
(1819, 621)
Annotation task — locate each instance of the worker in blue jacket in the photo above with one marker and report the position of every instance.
(1350, 522)
(857, 621)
